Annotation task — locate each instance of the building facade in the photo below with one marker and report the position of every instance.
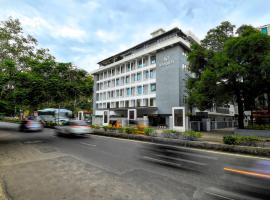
(265, 29)
(145, 82)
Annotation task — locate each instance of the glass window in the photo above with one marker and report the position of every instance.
(153, 59)
(145, 89)
(132, 66)
(133, 77)
(122, 69)
(128, 67)
(152, 73)
(128, 91)
(145, 75)
(140, 64)
(127, 79)
(133, 91)
(139, 76)
(139, 90)
(153, 87)
(152, 102)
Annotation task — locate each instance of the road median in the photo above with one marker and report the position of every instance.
(256, 151)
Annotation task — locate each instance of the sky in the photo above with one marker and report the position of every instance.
(85, 32)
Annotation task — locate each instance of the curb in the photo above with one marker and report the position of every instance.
(256, 151)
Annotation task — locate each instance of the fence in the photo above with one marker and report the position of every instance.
(214, 125)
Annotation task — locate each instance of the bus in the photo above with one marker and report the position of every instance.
(56, 115)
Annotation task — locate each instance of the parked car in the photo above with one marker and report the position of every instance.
(30, 125)
(73, 127)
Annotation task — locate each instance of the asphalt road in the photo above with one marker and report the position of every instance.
(45, 166)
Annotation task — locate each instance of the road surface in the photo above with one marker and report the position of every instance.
(45, 166)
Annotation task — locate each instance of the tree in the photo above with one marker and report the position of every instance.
(216, 37)
(236, 70)
(30, 78)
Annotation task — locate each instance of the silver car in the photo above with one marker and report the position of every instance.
(73, 127)
(30, 125)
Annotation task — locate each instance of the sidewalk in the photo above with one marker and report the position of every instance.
(2, 193)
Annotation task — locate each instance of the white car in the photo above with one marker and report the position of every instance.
(73, 127)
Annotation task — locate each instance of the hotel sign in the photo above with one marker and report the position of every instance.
(167, 60)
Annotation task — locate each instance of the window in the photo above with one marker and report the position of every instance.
(122, 82)
(139, 76)
(145, 75)
(139, 90)
(128, 92)
(145, 102)
(140, 64)
(122, 69)
(152, 73)
(118, 70)
(133, 91)
(132, 65)
(153, 59)
(145, 89)
(145, 61)
(152, 102)
(128, 67)
(127, 79)
(138, 103)
(153, 87)
(133, 78)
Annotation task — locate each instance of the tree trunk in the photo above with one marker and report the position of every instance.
(240, 110)
(268, 101)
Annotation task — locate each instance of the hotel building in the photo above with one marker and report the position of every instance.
(145, 82)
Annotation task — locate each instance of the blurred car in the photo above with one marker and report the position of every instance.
(73, 127)
(30, 125)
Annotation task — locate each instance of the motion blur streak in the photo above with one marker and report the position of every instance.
(247, 173)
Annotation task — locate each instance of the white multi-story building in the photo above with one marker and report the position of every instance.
(146, 81)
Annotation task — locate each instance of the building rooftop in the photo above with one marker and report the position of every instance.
(156, 35)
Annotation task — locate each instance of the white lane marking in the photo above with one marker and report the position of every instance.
(190, 148)
(161, 161)
(92, 145)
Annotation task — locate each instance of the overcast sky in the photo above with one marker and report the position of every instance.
(86, 31)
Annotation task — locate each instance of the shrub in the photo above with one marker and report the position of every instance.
(121, 129)
(259, 126)
(130, 130)
(169, 131)
(192, 135)
(106, 128)
(241, 140)
(95, 126)
(148, 131)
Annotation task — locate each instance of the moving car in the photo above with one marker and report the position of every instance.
(73, 127)
(30, 125)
